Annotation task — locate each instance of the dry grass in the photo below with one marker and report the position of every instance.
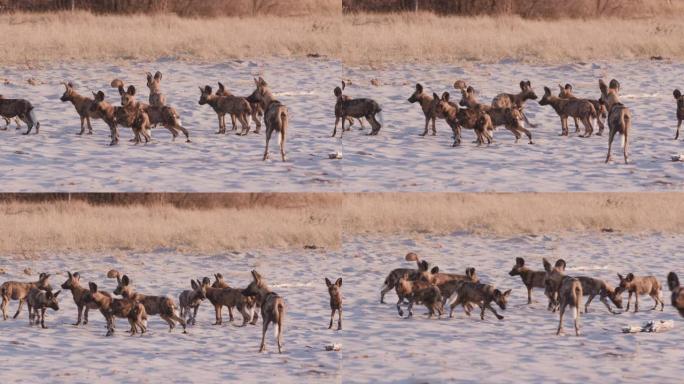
(36, 228)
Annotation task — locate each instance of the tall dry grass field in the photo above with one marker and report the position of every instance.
(325, 220)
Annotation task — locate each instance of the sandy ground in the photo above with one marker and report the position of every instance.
(397, 160)
(377, 345)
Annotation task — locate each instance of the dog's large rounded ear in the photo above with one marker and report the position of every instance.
(445, 96)
(522, 85)
(338, 282)
(328, 282)
(256, 275)
(262, 82)
(614, 84)
(337, 91)
(206, 281)
(93, 287)
(69, 274)
(344, 85)
(435, 96)
(629, 277)
(434, 270)
(220, 86)
(672, 281)
(158, 76)
(620, 277)
(207, 89)
(57, 293)
(547, 265)
(100, 96)
(419, 88)
(507, 293)
(125, 280)
(149, 77)
(568, 87)
(193, 284)
(424, 265)
(519, 261)
(677, 94)
(547, 90)
(560, 264)
(131, 90)
(470, 90)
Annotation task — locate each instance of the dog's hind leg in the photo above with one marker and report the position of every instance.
(679, 125)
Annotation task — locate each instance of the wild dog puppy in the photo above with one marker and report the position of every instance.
(157, 99)
(569, 294)
(229, 297)
(168, 117)
(130, 116)
(423, 277)
(582, 109)
(191, 299)
(112, 308)
(223, 105)
(619, 116)
(335, 292)
(680, 110)
(481, 294)
(459, 118)
(509, 100)
(677, 292)
(421, 293)
(154, 305)
(38, 302)
(14, 290)
(566, 93)
(251, 302)
(275, 114)
(428, 104)
(641, 285)
(73, 283)
(552, 281)
(338, 106)
(272, 308)
(393, 277)
(531, 279)
(19, 108)
(257, 111)
(82, 105)
(449, 283)
(596, 287)
(356, 109)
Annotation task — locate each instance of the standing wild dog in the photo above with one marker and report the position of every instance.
(191, 299)
(255, 107)
(82, 105)
(566, 93)
(393, 277)
(130, 116)
(112, 308)
(596, 287)
(481, 294)
(459, 118)
(579, 108)
(569, 294)
(619, 116)
(19, 108)
(338, 106)
(510, 100)
(157, 99)
(642, 285)
(38, 302)
(335, 292)
(154, 305)
(223, 105)
(356, 109)
(73, 283)
(428, 104)
(275, 114)
(420, 292)
(449, 283)
(677, 292)
(531, 279)
(272, 308)
(680, 110)
(229, 297)
(14, 290)
(552, 281)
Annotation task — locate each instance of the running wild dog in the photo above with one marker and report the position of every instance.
(275, 115)
(596, 287)
(228, 104)
(481, 294)
(356, 108)
(256, 108)
(531, 279)
(429, 105)
(335, 292)
(14, 290)
(642, 285)
(419, 292)
(19, 108)
(190, 300)
(509, 100)
(448, 283)
(73, 283)
(131, 116)
(154, 305)
(569, 294)
(229, 297)
(157, 99)
(82, 105)
(111, 308)
(393, 277)
(458, 118)
(579, 108)
(566, 93)
(680, 110)
(272, 308)
(619, 116)
(38, 302)
(677, 292)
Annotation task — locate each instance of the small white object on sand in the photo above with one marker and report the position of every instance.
(333, 347)
(650, 326)
(337, 155)
(677, 157)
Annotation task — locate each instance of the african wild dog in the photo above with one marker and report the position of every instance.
(82, 105)
(531, 279)
(552, 281)
(251, 302)
(256, 108)
(642, 285)
(335, 292)
(272, 308)
(157, 99)
(569, 294)
(356, 108)
(223, 105)
(229, 297)
(480, 294)
(19, 108)
(459, 118)
(619, 116)
(190, 300)
(338, 105)
(393, 277)
(154, 305)
(131, 116)
(428, 104)
(566, 93)
(596, 287)
(449, 283)
(38, 301)
(509, 100)
(680, 110)
(111, 308)
(677, 292)
(580, 108)
(404, 291)
(14, 290)
(275, 114)
(420, 292)
(73, 283)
